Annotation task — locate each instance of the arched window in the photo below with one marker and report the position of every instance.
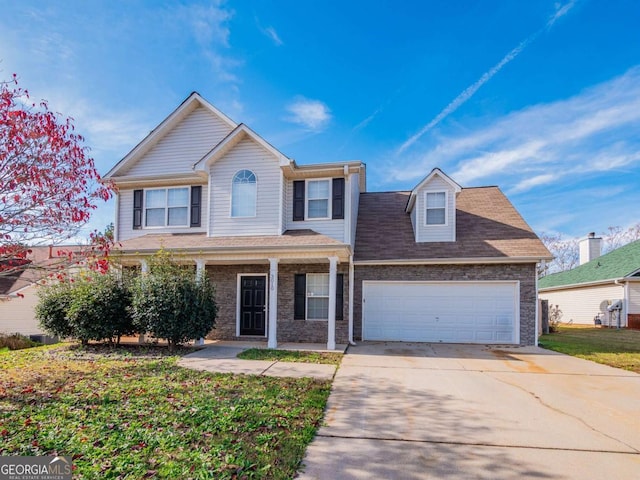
(243, 194)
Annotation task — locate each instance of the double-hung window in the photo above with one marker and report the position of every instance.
(167, 207)
(317, 296)
(318, 195)
(436, 208)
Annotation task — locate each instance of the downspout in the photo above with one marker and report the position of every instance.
(625, 301)
(351, 280)
(537, 310)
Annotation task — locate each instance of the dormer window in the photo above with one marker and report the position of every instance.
(435, 208)
(243, 194)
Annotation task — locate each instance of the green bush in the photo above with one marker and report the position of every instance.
(170, 302)
(53, 307)
(100, 308)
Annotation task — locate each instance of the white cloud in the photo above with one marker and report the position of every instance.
(273, 35)
(311, 114)
(594, 131)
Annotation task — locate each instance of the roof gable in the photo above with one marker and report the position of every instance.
(231, 140)
(436, 172)
(189, 105)
(620, 263)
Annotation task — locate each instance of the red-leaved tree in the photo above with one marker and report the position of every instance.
(48, 184)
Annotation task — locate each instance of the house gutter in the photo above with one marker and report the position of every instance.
(537, 309)
(450, 261)
(625, 302)
(351, 280)
(580, 285)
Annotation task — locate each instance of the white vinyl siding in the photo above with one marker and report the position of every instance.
(125, 217)
(245, 155)
(330, 228)
(634, 298)
(355, 201)
(581, 305)
(454, 312)
(17, 315)
(183, 146)
(435, 233)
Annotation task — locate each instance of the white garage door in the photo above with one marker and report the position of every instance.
(460, 312)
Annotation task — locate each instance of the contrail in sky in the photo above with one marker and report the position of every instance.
(471, 90)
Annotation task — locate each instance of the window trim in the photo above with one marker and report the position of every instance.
(166, 207)
(306, 295)
(306, 198)
(255, 206)
(446, 209)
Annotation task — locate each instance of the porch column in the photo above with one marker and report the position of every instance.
(272, 340)
(144, 268)
(200, 267)
(331, 329)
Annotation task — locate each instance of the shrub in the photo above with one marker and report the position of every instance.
(100, 308)
(53, 307)
(171, 303)
(16, 341)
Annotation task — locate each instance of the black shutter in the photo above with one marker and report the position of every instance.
(196, 201)
(340, 296)
(298, 200)
(299, 296)
(337, 205)
(137, 209)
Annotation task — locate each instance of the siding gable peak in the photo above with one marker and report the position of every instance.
(168, 125)
(436, 172)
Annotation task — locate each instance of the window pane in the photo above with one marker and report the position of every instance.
(155, 199)
(178, 197)
(243, 199)
(318, 189)
(318, 308)
(155, 217)
(318, 209)
(318, 284)
(178, 216)
(436, 200)
(435, 216)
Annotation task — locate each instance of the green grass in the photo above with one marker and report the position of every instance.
(610, 346)
(4, 349)
(133, 413)
(328, 358)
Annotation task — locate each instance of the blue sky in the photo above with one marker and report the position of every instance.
(541, 98)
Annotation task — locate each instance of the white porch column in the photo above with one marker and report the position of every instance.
(200, 267)
(331, 329)
(272, 340)
(144, 268)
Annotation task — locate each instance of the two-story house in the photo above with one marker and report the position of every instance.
(304, 253)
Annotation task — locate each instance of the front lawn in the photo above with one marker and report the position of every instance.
(328, 358)
(617, 348)
(136, 414)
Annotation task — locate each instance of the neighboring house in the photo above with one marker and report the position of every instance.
(303, 253)
(599, 281)
(19, 294)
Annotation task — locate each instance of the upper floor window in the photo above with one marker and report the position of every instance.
(436, 208)
(167, 207)
(318, 194)
(243, 194)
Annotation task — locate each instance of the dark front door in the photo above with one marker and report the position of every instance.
(252, 305)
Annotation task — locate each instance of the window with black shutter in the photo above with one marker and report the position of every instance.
(196, 205)
(298, 200)
(137, 209)
(337, 202)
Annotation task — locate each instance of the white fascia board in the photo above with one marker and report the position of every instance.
(449, 261)
(581, 285)
(172, 178)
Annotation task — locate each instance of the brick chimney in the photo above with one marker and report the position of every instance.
(590, 248)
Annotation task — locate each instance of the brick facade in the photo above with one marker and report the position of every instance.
(225, 280)
(525, 273)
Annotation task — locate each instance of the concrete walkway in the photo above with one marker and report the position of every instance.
(221, 357)
(420, 411)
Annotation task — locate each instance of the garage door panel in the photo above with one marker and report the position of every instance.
(466, 312)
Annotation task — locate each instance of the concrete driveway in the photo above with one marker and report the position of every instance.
(421, 411)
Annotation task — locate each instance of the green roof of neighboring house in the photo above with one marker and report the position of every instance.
(619, 263)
